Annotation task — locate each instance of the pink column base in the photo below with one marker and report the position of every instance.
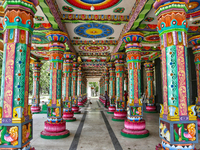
(111, 109)
(135, 128)
(120, 115)
(80, 103)
(68, 115)
(198, 122)
(54, 127)
(150, 108)
(54, 134)
(75, 109)
(35, 109)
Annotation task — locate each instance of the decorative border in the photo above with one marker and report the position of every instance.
(85, 17)
(97, 42)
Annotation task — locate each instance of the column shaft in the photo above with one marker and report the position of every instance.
(176, 117)
(35, 108)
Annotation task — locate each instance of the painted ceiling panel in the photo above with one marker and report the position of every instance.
(40, 17)
(103, 7)
(94, 49)
(95, 31)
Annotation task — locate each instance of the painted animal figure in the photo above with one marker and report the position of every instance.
(185, 134)
(5, 137)
(164, 132)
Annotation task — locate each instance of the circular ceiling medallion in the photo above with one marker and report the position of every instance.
(94, 48)
(193, 5)
(193, 8)
(98, 4)
(93, 30)
(152, 38)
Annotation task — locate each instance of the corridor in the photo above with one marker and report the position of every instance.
(94, 130)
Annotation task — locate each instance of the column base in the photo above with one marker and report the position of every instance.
(75, 109)
(119, 116)
(198, 122)
(150, 109)
(35, 109)
(49, 135)
(134, 129)
(55, 130)
(111, 110)
(80, 104)
(167, 146)
(69, 116)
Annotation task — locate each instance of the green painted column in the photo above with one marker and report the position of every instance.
(68, 114)
(120, 113)
(15, 113)
(178, 120)
(55, 127)
(35, 108)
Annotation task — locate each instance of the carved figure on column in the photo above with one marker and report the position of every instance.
(55, 126)
(134, 124)
(176, 115)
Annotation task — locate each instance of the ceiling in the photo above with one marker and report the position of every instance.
(94, 35)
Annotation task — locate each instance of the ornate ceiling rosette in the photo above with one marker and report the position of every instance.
(98, 4)
(94, 48)
(41, 54)
(152, 38)
(93, 30)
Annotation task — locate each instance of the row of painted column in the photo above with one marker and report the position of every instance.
(178, 126)
(16, 127)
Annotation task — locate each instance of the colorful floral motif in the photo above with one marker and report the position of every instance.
(119, 10)
(67, 9)
(39, 18)
(149, 19)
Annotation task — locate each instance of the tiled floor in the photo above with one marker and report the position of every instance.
(94, 135)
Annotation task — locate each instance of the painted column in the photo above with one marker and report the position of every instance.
(35, 108)
(112, 87)
(126, 81)
(106, 74)
(15, 113)
(134, 124)
(120, 113)
(150, 108)
(196, 51)
(178, 120)
(80, 86)
(68, 114)
(75, 107)
(54, 127)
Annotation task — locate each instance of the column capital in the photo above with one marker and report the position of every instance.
(195, 40)
(118, 56)
(149, 65)
(69, 55)
(133, 37)
(57, 36)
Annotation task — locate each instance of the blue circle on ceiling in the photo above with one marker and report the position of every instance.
(92, 1)
(196, 8)
(105, 30)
